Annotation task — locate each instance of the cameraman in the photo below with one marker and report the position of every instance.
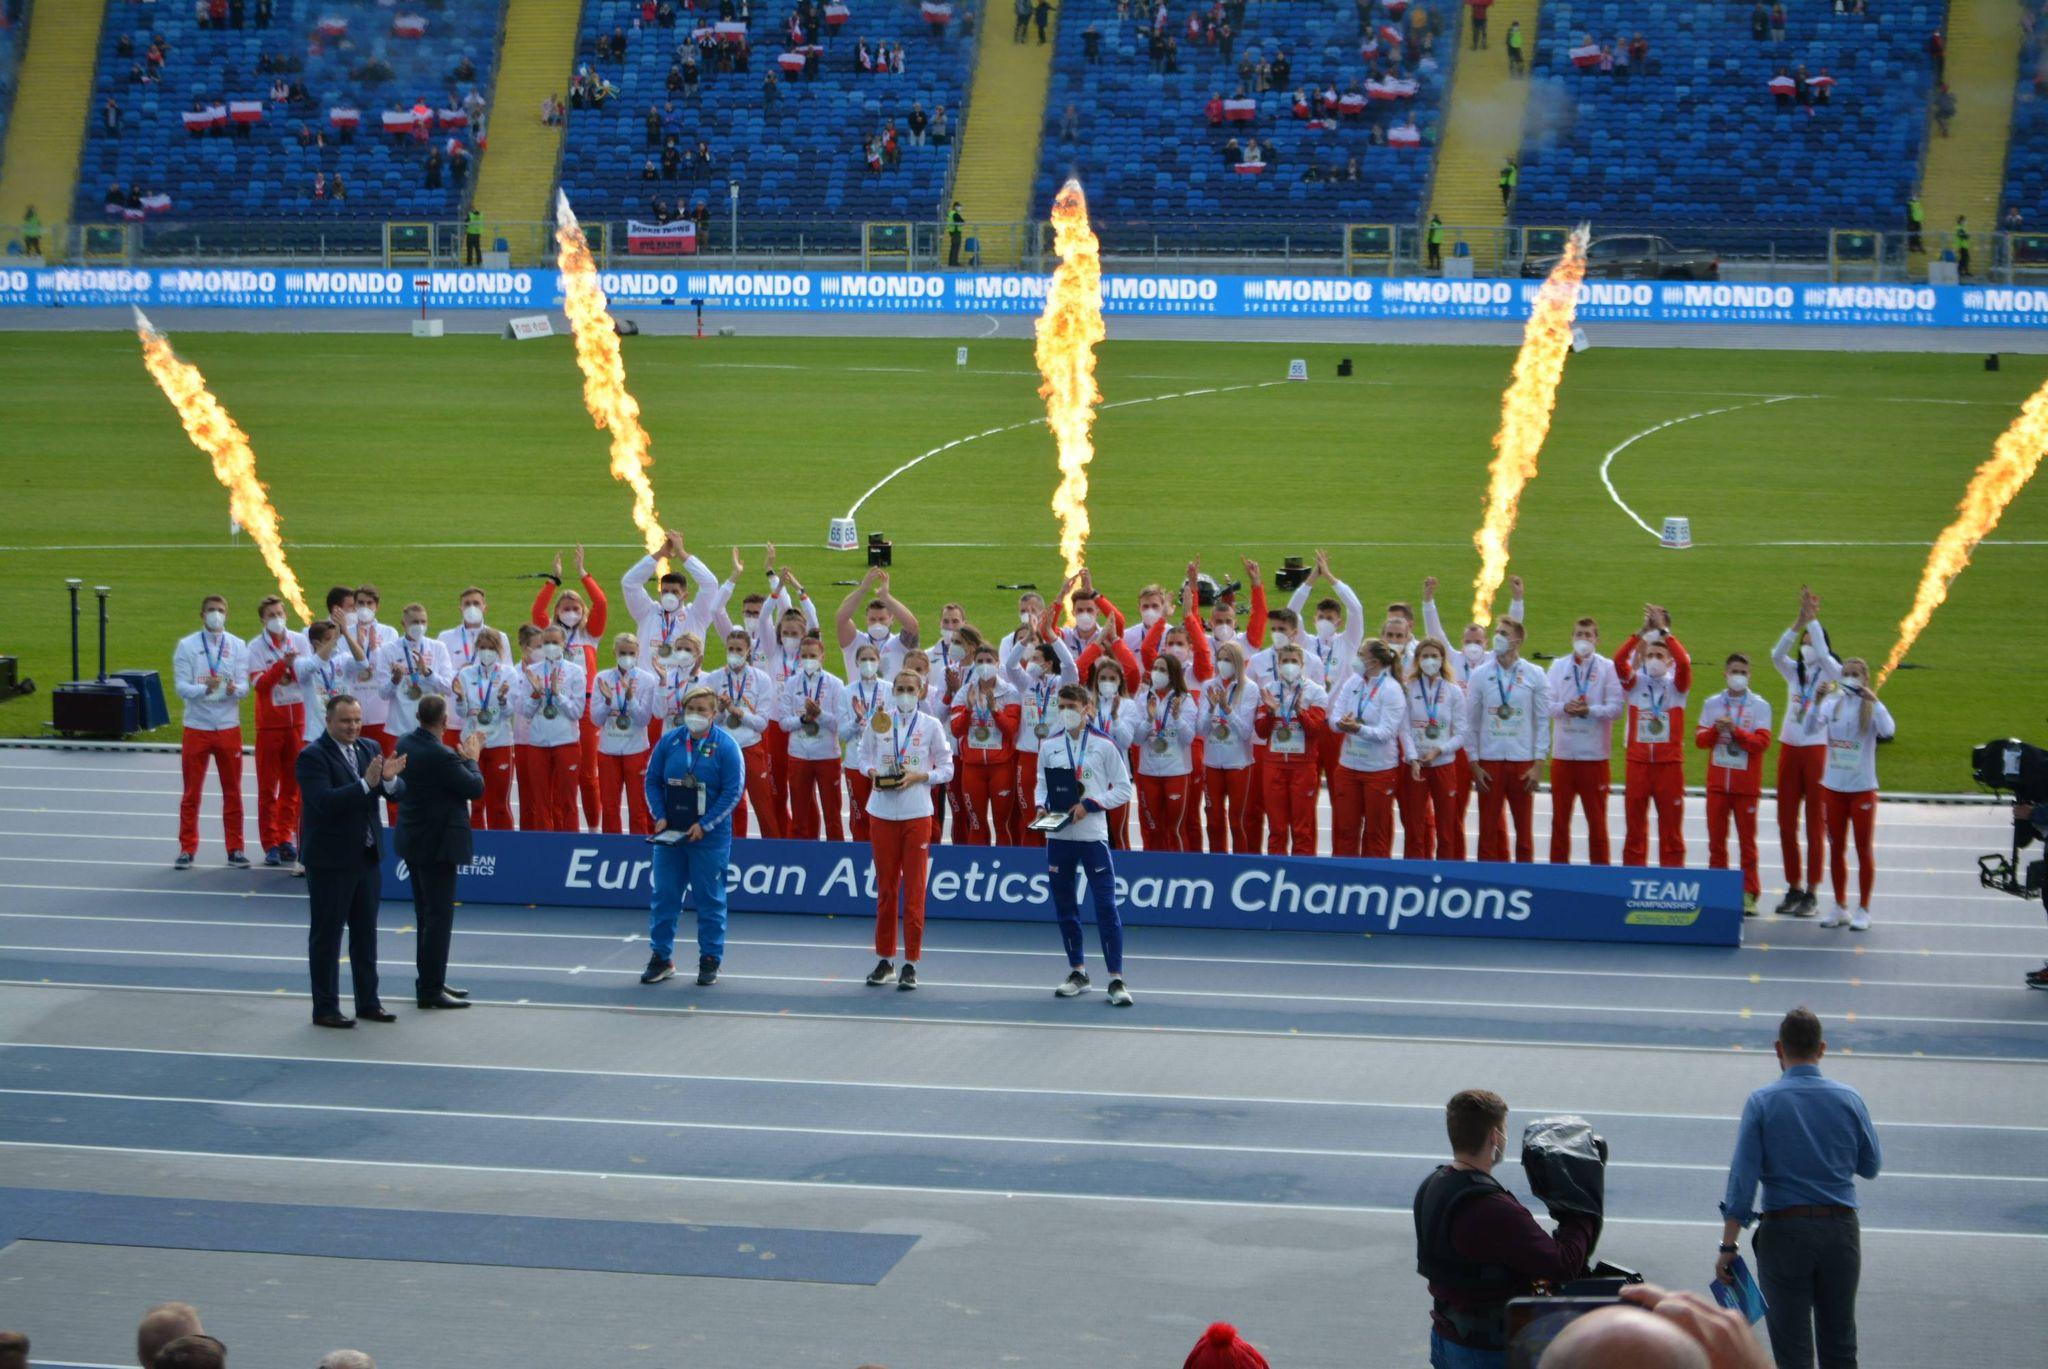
(1478, 1246)
(2032, 822)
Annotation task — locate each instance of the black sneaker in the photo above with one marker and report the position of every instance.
(2038, 979)
(1119, 996)
(1075, 984)
(657, 970)
(183, 862)
(1788, 906)
(881, 974)
(271, 859)
(906, 978)
(1809, 906)
(237, 861)
(707, 969)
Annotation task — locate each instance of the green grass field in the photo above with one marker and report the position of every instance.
(426, 466)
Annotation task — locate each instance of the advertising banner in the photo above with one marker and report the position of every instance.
(993, 292)
(1261, 893)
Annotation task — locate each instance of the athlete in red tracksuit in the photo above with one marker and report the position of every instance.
(209, 674)
(280, 723)
(1585, 699)
(1735, 729)
(986, 713)
(1655, 673)
(582, 620)
(1292, 717)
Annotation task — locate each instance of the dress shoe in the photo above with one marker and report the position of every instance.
(375, 1015)
(443, 1000)
(333, 1019)
(448, 989)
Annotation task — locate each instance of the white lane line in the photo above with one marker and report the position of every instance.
(1036, 989)
(827, 1185)
(1039, 422)
(298, 928)
(1633, 438)
(1025, 1024)
(875, 1134)
(866, 1085)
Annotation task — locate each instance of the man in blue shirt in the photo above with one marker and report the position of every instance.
(1805, 1138)
(695, 778)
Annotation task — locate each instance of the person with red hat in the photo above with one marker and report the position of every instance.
(1222, 1348)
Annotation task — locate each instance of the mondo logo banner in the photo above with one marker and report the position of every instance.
(990, 292)
(1274, 893)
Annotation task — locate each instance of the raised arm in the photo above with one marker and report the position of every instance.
(843, 616)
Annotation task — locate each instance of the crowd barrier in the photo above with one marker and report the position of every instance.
(1257, 893)
(967, 293)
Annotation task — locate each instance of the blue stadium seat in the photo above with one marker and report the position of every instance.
(2026, 158)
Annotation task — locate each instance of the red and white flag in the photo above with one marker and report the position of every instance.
(1250, 168)
(409, 26)
(1587, 56)
(452, 118)
(1390, 35)
(936, 11)
(678, 239)
(1397, 8)
(1783, 85)
(1404, 135)
(1240, 111)
(835, 15)
(1351, 102)
(198, 120)
(333, 26)
(156, 203)
(345, 116)
(730, 31)
(246, 111)
(1822, 82)
(398, 121)
(791, 61)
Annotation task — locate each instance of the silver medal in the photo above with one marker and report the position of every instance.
(485, 717)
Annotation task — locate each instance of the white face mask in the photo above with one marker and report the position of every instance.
(1071, 719)
(1160, 679)
(1326, 628)
(365, 617)
(686, 661)
(697, 723)
(1501, 645)
(1431, 667)
(753, 622)
(1656, 670)
(1853, 683)
(869, 669)
(1226, 670)
(984, 670)
(1474, 652)
(1084, 622)
(1035, 669)
(487, 658)
(1367, 665)
(878, 633)
(274, 626)
(671, 601)
(1109, 689)
(571, 616)
(1026, 619)
(473, 615)
(949, 635)
(1149, 616)
(1582, 647)
(551, 651)
(1290, 671)
(416, 632)
(810, 665)
(214, 619)
(905, 700)
(790, 644)
(736, 655)
(626, 664)
(1808, 654)
(1223, 632)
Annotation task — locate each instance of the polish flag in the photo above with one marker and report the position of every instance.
(332, 26)
(1587, 56)
(1390, 35)
(452, 118)
(246, 111)
(1822, 82)
(1240, 111)
(398, 121)
(1783, 85)
(157, 203)
(409, 26)
(936, 12)
(1405, 135)
(835, 15)
(345, 116)
(792, 62)
(1351, 102)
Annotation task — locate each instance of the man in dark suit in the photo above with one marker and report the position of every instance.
(433, 840)
(339, 776)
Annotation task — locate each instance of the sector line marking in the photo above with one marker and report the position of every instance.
(1629, 441)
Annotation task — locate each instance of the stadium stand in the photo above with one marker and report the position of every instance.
(14, 19)
(2026, 164)
(1695, 138)
(1149, 149)
(798, 155)
(265, 154)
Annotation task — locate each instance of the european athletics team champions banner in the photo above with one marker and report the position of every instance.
(984, 292)
(1259, 893)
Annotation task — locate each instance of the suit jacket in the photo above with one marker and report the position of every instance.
(342, 821)
(433, 817)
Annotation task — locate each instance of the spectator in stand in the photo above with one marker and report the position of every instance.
(1781, 91)
(942, 132)
(1479, 9)
(1621, 63)
(2014, 221)
(1091, 43)
(671, 121)
(458, 163)
(162, 1324)
(1213, 111)
(1070, 122)
(319, 185)
(917, 122)
(110, 116)
(1944, 107)
(1778, 23)
(1759, 22)
(892, 155)
(1283, 70)
(649, 171)
(337, 189)
(871, 153)
(1266, 152)
(671, 160)
(691, 73)
(1639, 54)
(1172, 55)
(1226, 39)
(1802, 90)
(653, 126)
(434, 164)
(473, 105)
(1351, 171)
(1232, 153)
(1937, 52)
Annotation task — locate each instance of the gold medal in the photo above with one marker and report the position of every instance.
(1283, 733)
(413, 691)
(984, 737)
(1504, 712)
(881, 723)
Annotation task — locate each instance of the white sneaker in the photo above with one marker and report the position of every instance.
(1861, 921)
(1835, 916)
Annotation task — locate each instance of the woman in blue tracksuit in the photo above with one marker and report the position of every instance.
(695, 778)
